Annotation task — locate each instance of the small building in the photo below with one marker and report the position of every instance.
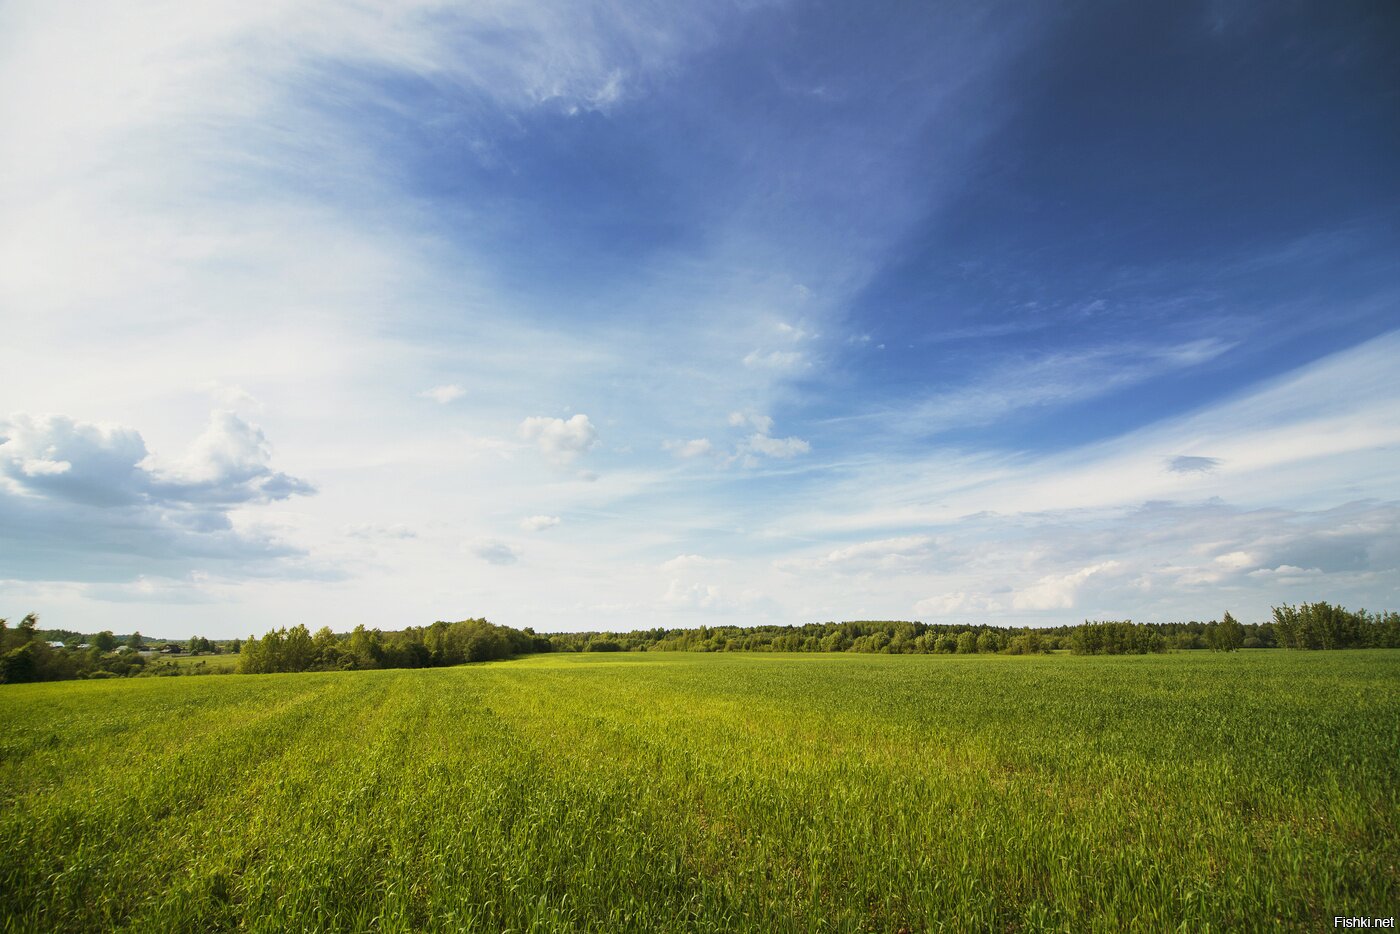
(55, 645)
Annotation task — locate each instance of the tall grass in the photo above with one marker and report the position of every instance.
(712, 793)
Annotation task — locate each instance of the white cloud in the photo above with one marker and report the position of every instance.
(496, 552)
(695, 596)
(444, 394)
(711, 598)
(1057, 591)
(229, 462)
(691, 562)
(688, 449)
(761, 442)
(56, 458)
(558, 440)
(372, 531)
(953, 604)
(777, 447)
(885, 554)
(538, 523)
(196, 194)
(231, 396)
(1236, 560)
(189, 590)
(113, 506)
(1049, 380)
(781, 360)
(760, 423)
(43, 467)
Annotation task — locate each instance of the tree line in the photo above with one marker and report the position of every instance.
(27, 655)
(1317, 626)
(442, 643)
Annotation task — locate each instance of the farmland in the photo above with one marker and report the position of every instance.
(718, 792)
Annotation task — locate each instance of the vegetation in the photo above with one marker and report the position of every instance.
(693, 792)
(26, 653)
(470, 640)
(1343, 628)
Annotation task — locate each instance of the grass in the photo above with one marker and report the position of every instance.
(1191, 792)
(213, 664)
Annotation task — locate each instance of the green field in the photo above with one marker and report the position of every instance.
(669, 791)
(210, 664)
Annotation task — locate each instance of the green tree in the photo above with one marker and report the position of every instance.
(104, 641)
(26, 628)
(298, 651)
(251, 658)
(1229, 635)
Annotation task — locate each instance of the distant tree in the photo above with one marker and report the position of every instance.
(298, 651)
(135, 641)
(104, 641)
(604, 645)
(19, 666)
(967, 643)
(251, 660)
(365, 648)
(1229, 636)
(26, 628)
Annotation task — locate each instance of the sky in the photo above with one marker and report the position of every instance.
(590, 315)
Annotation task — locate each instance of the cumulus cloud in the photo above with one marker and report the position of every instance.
(85, 501)
(539, 523)
(57, 458)
(449, 392)
(229, 463)
(685, 450)
(496, 552)
(1057, 591)
(761, 443)
(695, 596)
(562, 442)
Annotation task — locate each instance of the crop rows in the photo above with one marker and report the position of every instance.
(711, 793)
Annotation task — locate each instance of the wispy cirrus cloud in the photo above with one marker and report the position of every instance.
(323, 215)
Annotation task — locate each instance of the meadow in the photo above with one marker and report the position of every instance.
(712, 792)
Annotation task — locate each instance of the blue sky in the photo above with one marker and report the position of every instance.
(583, 315)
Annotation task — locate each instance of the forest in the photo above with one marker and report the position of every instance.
(28, 653)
